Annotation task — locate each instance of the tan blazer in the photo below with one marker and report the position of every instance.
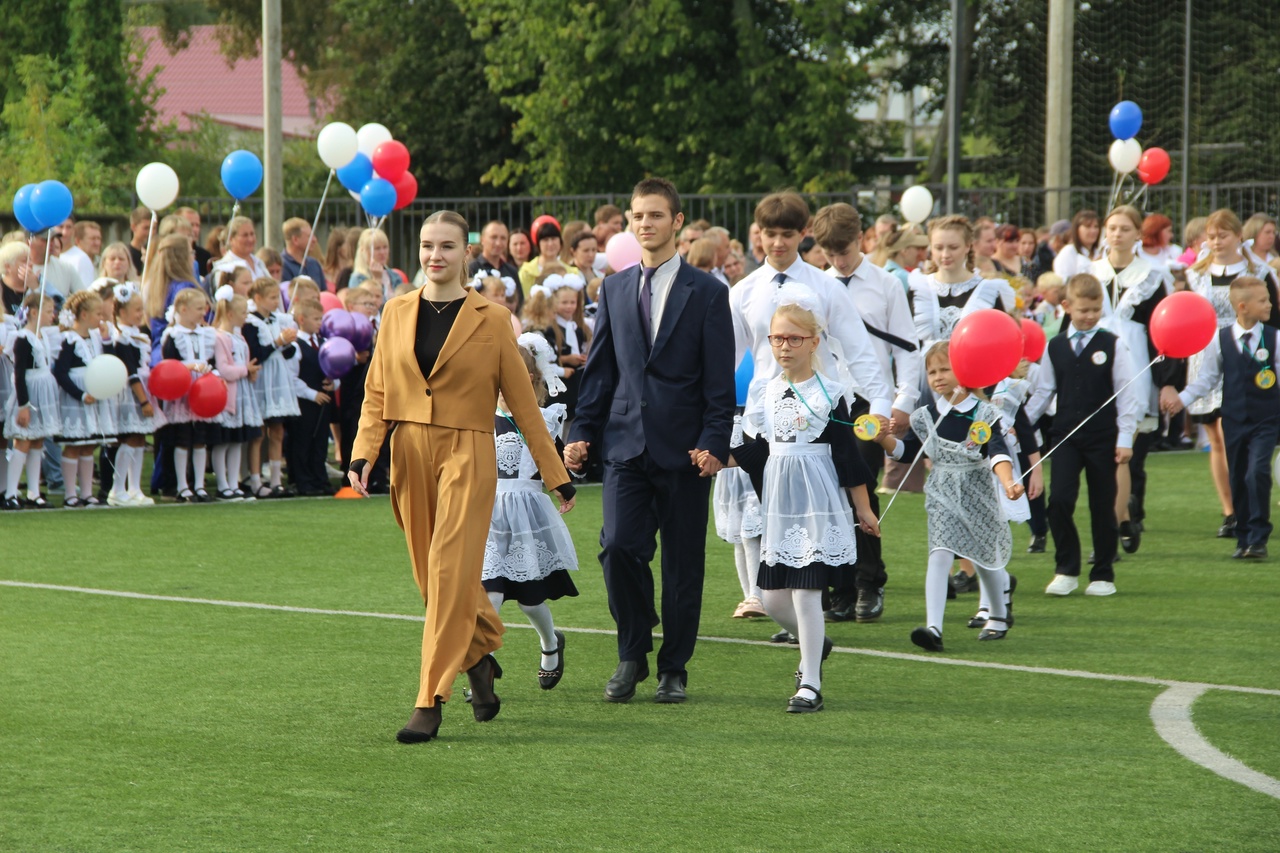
(479, 359)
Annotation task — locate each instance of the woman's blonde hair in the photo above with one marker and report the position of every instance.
(172, 263)
(223, 310)
(1254, 225)
(364, 250)
(702, 253)
(123, 251)
(1128, 211)
(78, 304)
(234, 227)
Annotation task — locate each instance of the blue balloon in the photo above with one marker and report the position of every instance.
(22, 209)
(378, 197)
(50, 203)
(742, 377)
(1126, 120)
(357, 173)
(241, 174)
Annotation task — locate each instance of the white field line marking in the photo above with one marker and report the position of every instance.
(1170, 713)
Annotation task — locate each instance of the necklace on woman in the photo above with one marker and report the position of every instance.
(445, 305)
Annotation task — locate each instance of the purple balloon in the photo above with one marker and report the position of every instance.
(337, 357)
(337, 324)
(362, 332)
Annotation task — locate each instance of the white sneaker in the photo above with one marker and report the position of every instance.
(1063, 585)
(139, 499)
(1100, 588)
(114, 500)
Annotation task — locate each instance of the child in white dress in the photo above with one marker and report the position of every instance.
(530, 553)
(139, 414)
(85, 421)
(32, 414)
(736, 509)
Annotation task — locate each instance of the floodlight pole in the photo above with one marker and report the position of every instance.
(953, 108)
(1186, 113)
(272, 127)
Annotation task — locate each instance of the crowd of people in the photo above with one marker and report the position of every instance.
(837, 330)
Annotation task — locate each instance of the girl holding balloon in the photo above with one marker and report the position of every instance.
(240, 421)
(139, 413)
(81, 415)
(192, 343)
(1211, 277)
(270, 342)
(32, 412)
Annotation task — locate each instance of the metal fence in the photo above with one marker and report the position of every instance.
(1023, 206)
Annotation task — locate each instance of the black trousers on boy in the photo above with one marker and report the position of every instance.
(1095, 457)
(308, 446)
(1249, 448)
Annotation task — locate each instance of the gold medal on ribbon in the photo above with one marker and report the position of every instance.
(980, 432)
(866, 427)
(1265, 379)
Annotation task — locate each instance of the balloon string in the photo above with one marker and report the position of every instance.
(146, 255)
(235, 209)
(918, 455)
(1140, 194)
(316, 221)
(1045, 456)
(48, 240)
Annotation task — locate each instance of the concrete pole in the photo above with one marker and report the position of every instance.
(953, 108)
(1186, 115)
(272, 130)
(1057, 114)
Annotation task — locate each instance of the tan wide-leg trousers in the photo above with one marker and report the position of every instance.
(442, 489)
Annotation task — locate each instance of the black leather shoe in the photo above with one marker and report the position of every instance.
(482, 676)
(1130, 537)
(1228, 528)
(963, 582)
(670, 689)
(423, 725)
(870, 605)
(926, 639)
(1239, 554)
(1037, 545)
(1255, 552)
(842, 608)
(622, 686)
(548, 678)
(804, 705)
(783, 636)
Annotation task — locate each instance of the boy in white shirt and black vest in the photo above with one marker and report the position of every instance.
(308, 443)
(1242, 357)
(1092, 432)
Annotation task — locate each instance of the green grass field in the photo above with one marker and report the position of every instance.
(134, 724)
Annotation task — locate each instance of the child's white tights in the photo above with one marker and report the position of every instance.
(746, 557)
(800, 612)
(539, 616)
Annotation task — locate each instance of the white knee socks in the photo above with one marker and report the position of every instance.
(181, 456)
(220, 466)
(539, 616)
(136, 458)
(994, 584)
(800, 612)
(233, 466)
(86, 476)
(34, 460)
(17, 461)
(935, 588)
(746, 558)
(199, 464)
(120, 476)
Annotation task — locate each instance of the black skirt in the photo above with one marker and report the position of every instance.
(812, 576)
(558, 584)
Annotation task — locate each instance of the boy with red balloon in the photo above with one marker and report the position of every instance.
(1090, 371)
(1243, 357)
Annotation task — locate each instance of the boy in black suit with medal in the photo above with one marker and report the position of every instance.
(1086, 366)
(1243, 357)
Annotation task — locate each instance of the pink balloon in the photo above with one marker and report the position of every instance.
(330, 302)
(623, 251)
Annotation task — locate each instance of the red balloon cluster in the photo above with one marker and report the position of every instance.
(406, 190)
(170, 380)
(391, 162)
(1033, 340)
(986, 346)
(1183, 324)
(1154, 165)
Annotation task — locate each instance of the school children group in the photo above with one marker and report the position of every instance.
(845, 369)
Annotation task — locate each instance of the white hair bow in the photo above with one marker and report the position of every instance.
(540, 288)
(545, 359)
(66, 318)
(799, 295)
(481, 277)
(510, 284)
(557, 281)
(169, 315)
(225, 293)
(124, 292)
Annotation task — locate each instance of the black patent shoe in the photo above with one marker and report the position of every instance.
(549, 678)
(804, 705)
(926, 639)
(1037, 545)
(12, 504)
(1228, 528)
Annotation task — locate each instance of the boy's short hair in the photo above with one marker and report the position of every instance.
(785, 211)
(84, 226)
(351, 296)
(1242, 285)
(837, 226)
(658, 186)
(606, 212)
(308, 307)
(139, 214)
(1084, 286)
(1049, 279)
(293, 227)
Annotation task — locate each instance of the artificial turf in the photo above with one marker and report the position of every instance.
(154, 725)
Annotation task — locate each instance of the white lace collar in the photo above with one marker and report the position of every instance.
(965, 405)
(1238, 268)
(955, 289)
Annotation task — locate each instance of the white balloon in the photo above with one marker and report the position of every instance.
(105, 377)
(370, 137)
(157, 186)
(916, 204)
(1125, 154)
(338, 144)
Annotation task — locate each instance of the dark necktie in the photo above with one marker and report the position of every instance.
(1246, 344)
(1077, 342)
(845, 279)
(780, 279)
(646, 302)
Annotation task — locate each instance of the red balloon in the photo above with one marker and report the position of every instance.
(329, 302)
(1154, 165)
(985, 347)
(406, 190)
(1033, 340)
(169, 380)
(208, 396)
(390, 159)
(1183, 324)
(538, 223)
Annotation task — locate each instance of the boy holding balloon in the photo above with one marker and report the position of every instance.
(1243, 357)
(1090, 371)
(309, 430)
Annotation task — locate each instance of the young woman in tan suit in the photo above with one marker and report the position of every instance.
(444, 353)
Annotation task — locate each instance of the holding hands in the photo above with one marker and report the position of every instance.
(575, 455)
(707, 464)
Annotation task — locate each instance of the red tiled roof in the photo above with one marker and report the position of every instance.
(198, 79)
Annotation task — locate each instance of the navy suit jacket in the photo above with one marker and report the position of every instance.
(669, 399)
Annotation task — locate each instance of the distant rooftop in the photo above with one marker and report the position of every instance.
(198, 79)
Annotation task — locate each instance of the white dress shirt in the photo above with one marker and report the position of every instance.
(302, 390)
(82, 264)
(1211, 361)
(660, 288)
(1127, 405)
(753, 301)
(882, 303)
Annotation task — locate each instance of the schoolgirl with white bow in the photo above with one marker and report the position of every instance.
(567, 333)
(32, 413)
(240, 421)
(139, 413)
(85, 421)
(190, 341)
(270, 342)
(500, 290)
(530, 553)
